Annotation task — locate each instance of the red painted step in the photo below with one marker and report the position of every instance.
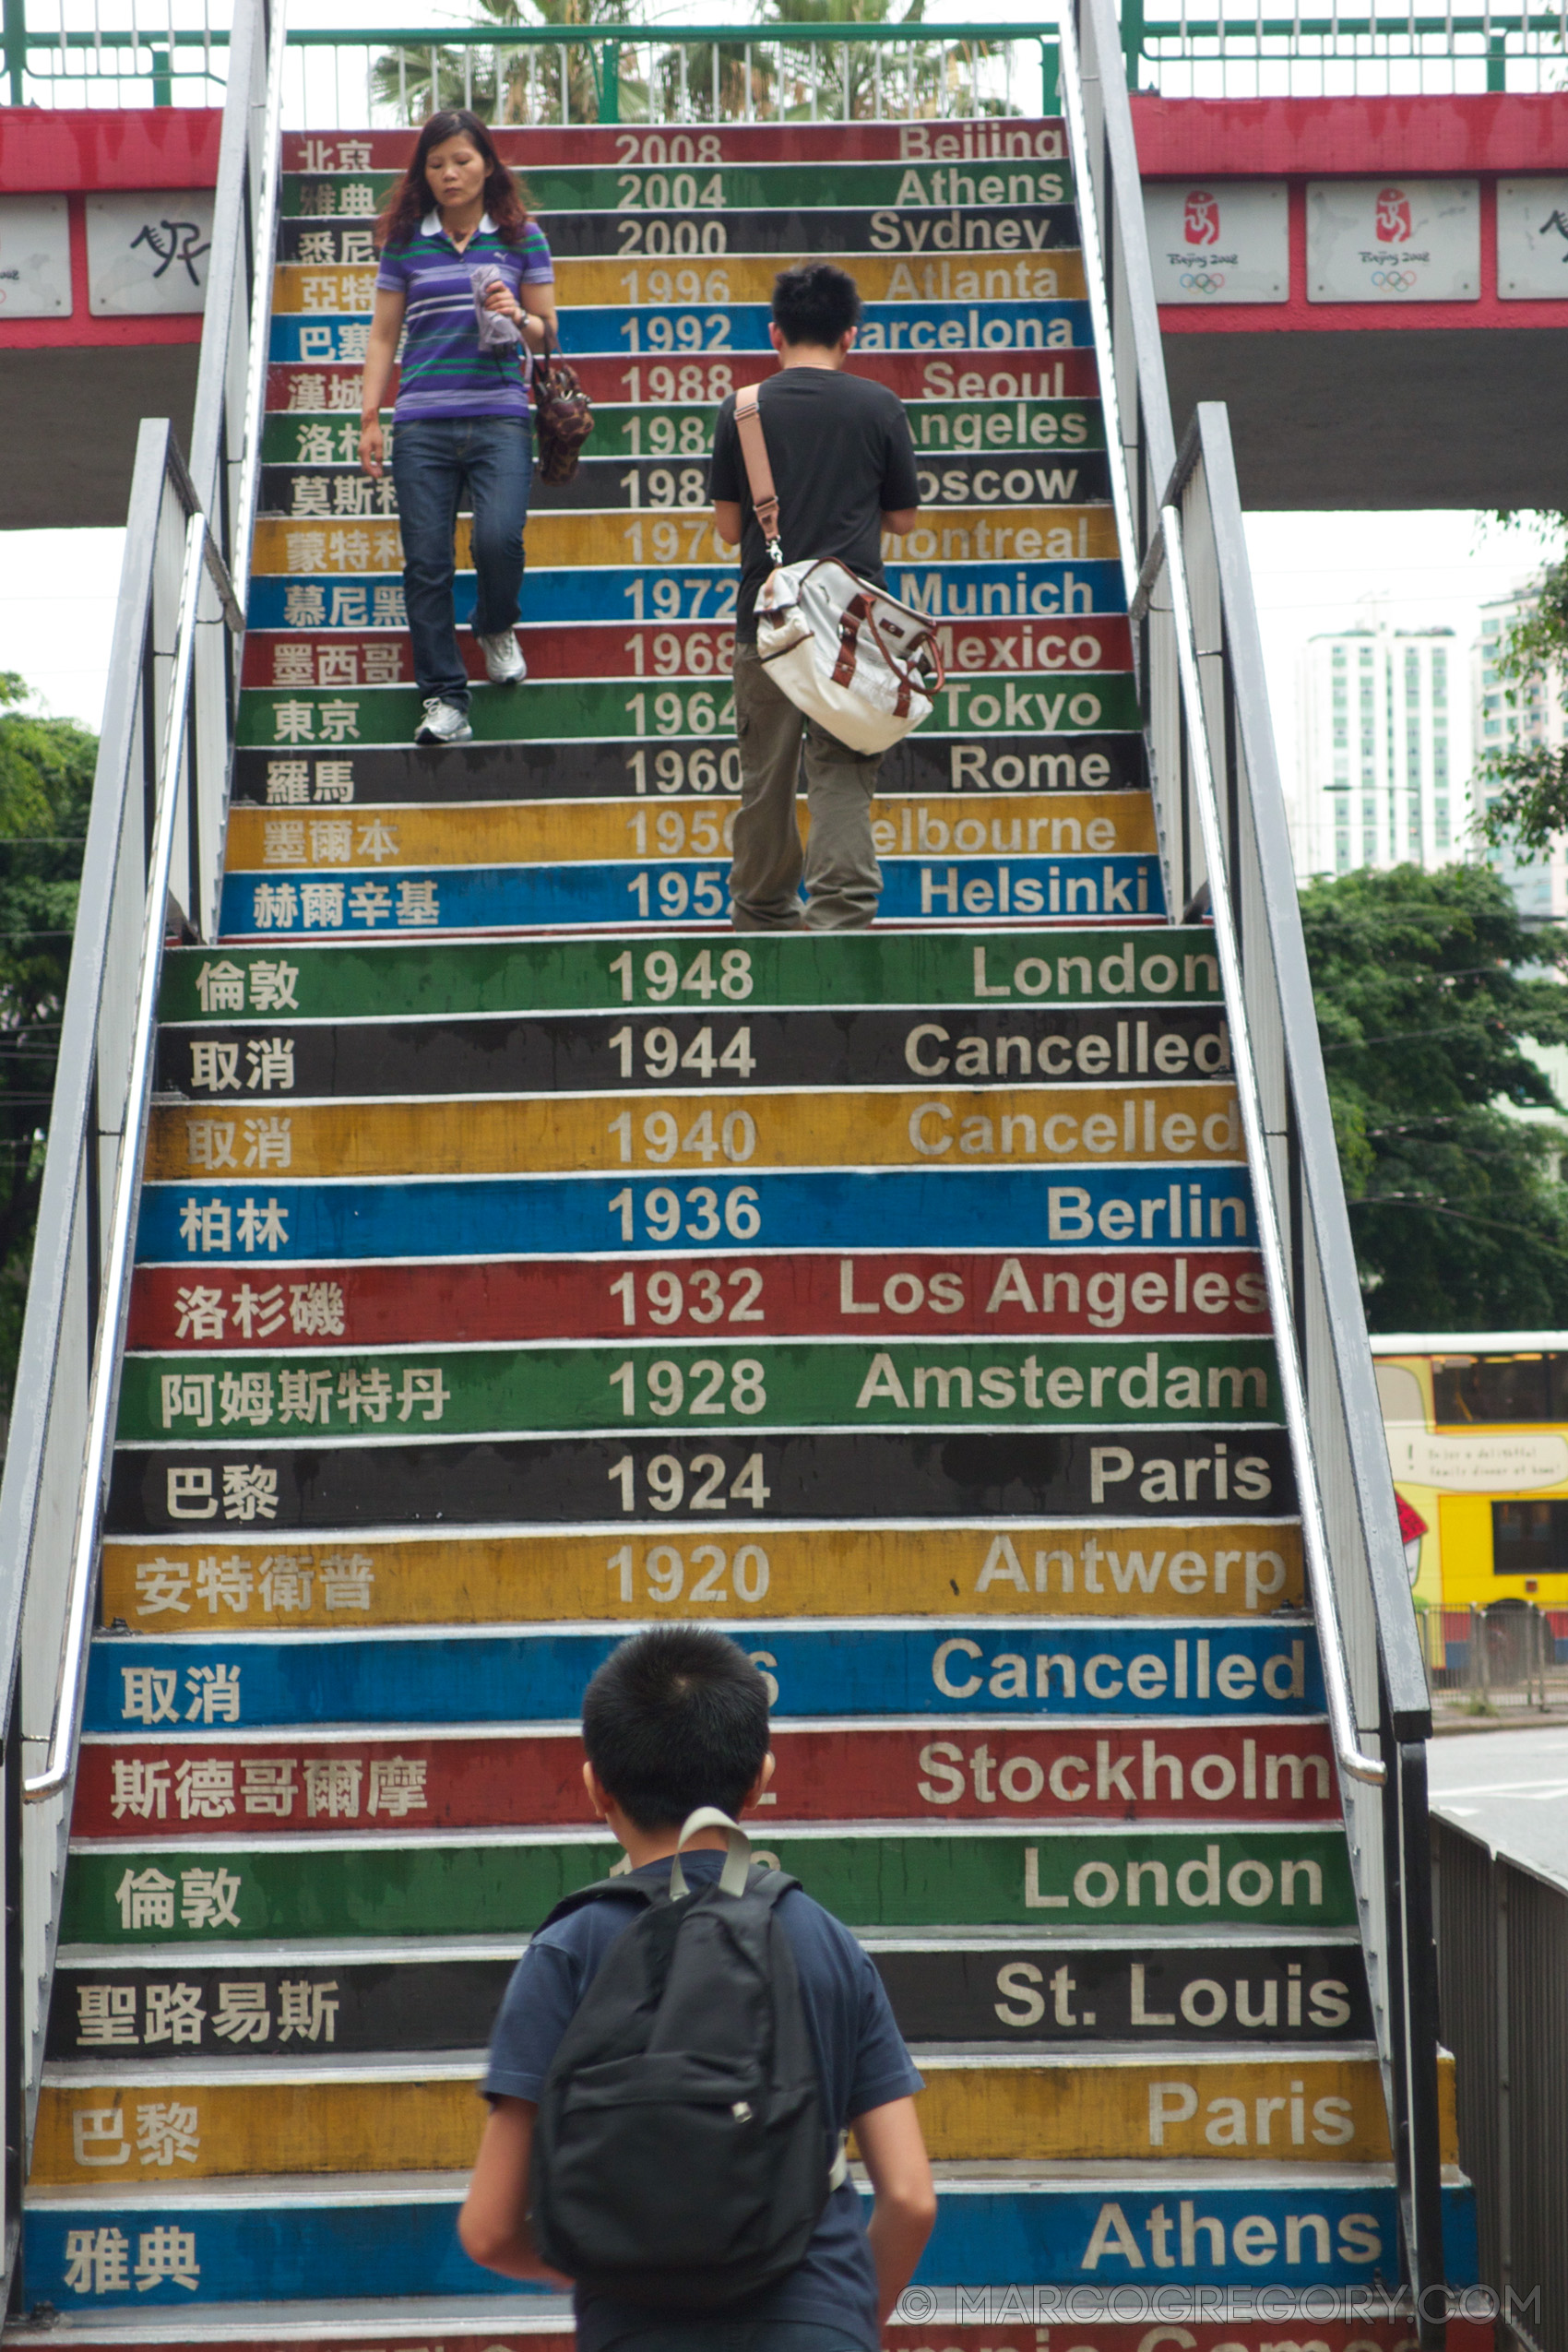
(703, 382)
(1131, 1293)
(920, 142)
(500, 1779)
(668, 649)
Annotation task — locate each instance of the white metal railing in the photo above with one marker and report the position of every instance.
(151, 869)
(1221, 823)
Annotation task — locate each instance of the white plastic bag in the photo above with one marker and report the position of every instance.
(847, 654)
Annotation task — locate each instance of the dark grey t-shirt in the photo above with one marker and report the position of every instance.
(841, 456)
(861, 2056)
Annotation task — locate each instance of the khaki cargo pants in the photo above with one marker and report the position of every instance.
(842, 877)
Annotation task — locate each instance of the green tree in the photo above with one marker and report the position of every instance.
(512, 82)
(1425, 982)
(1526, 783)
(46, 768)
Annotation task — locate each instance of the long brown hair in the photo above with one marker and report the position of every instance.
(411, 199)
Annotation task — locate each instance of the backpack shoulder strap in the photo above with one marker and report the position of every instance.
(759, 471)
(768, 1885)
(647, 1896)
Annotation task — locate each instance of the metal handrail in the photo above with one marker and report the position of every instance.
(1166, 551)
(201, 556)
(265, 239)
(1320, 1567)
(1096, 282)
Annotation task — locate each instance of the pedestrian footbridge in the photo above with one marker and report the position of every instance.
(459, 1246)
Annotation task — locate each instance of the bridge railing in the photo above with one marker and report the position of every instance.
(1222, 818)
(149, 871)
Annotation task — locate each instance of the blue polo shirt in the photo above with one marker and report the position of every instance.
(860, 2058)
(446, 371)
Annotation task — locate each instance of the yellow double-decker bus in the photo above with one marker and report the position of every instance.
(1477, 1424)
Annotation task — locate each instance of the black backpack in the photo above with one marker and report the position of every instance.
(681, 2157)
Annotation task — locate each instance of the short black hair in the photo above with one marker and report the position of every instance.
(676, 1717)
(815, 303)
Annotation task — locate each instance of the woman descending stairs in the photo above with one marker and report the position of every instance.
(525, 1255)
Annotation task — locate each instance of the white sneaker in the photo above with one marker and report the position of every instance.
(503, 659)
(444, 723)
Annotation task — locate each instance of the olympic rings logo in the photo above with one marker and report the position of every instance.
(1394, 281)
(1203, 281)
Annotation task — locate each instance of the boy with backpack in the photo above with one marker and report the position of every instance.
(681, 2050)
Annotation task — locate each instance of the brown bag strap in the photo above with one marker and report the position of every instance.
(759, 473)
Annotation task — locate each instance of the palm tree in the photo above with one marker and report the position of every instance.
(858, 81)
(514, 81)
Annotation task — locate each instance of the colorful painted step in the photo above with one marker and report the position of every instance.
(163, 2123)
(294, 437)
(546, 148)
(785, 968)
(331, 777)
(941, 1293)
(1075, 828)
(965, 535)
(421, 1479)
(332, 386)
(726, 190)
(671, 594)
(752, 1383)
(247, 1887)
(287, 1220)
(658, 330)
(1191, 1122)
(1208, 2225)
(1200, 1571)
(1042, 267)
(455, 1777)
(684, 650)
(1255, 1989)
(1023, 1669)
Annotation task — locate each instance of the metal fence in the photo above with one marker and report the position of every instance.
(1222, 818)
(174, 52)
(1240, 52)
(150, 869)
(1509, 1656)
(1503, 1959)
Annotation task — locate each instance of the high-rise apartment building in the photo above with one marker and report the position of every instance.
(1504, 717)
(1383, 751)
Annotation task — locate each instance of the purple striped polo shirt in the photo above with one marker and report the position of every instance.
(445, 372)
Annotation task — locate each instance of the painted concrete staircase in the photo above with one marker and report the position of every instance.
(524, 1257)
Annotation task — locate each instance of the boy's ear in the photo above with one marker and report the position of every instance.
(599, 1797)
(760, 1783)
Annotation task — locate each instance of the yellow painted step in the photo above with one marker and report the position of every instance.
(157, 1585)
(613, 281)
(955, 535)
(165, 2127)
(575, 832)
(725, 1138)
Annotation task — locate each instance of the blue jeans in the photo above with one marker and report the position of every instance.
(436, 460)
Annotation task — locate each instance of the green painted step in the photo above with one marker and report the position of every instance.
(690, 974)
(1090, 1878)
(622, 431)
(844, 1384)
(623, 710)
(358, 981)
(706, 190)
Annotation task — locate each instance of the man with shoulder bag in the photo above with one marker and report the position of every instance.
(837, 457)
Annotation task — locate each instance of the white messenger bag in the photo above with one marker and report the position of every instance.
(847, 654)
